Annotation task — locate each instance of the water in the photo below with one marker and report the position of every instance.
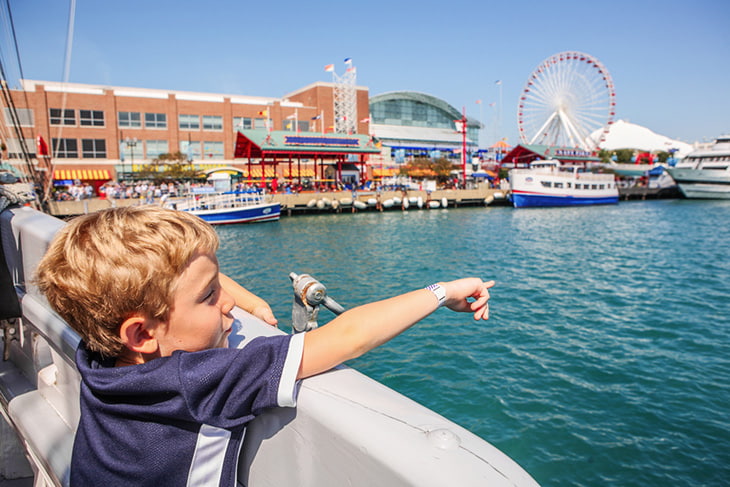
(606, 360)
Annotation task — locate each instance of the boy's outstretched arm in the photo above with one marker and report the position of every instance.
(248, 301)
(361, 329)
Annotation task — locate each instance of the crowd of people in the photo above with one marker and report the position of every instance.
(150, 190)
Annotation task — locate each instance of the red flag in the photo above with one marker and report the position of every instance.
(42, 147)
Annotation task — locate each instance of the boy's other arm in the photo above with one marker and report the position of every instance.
(361, 329)
(247, 300)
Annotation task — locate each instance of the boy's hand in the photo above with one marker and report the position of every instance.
(458, 292)
(265, 313)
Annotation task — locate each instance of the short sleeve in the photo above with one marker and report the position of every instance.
(228, 387)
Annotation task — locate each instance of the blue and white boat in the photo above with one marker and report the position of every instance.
(229, 207)
(549, 183)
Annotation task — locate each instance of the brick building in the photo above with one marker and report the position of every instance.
(115, 130)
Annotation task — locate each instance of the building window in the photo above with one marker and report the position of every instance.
(260, 123)
(93, 118)
(213, 122)
(155, 148)
(191, 149)
(62, 117)
(65, 148)
(189, 122)
(420, 112)
(130, 120)
(242, 123)
(155, 120)
(213, 150)
(15, 149)
(25, 117)
(93, 148)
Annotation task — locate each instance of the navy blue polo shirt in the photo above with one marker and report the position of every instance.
(177, 420)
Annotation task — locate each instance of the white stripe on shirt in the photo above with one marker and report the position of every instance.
(210, 451)
(286, 395)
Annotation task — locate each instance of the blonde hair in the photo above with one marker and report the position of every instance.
(103, 267)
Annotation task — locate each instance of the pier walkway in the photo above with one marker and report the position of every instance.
(300, 203)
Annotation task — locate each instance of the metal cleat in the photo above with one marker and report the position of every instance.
(309, 294)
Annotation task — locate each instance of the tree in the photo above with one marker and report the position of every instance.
(169, 166)
(624, 156)
(605, 156)
(422, 167)
(662, 156)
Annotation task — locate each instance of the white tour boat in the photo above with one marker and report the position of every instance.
(705, 173)
(548, 183)
(228, 207)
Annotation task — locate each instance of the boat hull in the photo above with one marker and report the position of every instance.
(702, 183)
(544, 186)
(529, 200)
(250, 214)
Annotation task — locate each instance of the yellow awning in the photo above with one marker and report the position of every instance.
(256, 172)
(82, 174)
(307, 172)
(384, 171)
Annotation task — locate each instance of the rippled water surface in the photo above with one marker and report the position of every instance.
(606, 360)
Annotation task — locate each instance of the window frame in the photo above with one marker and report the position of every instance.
(96, 151)
(95, 118)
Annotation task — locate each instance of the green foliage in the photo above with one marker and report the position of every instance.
(168, 166)
(423, 167)
(623, 156)
(605, 156)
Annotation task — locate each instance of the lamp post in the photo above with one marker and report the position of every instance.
(131, 143)
(461, 128)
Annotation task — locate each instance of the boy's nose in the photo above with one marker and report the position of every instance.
(227, 302)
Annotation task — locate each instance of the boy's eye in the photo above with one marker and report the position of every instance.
(209, 295)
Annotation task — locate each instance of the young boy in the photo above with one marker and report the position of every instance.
(163, 400)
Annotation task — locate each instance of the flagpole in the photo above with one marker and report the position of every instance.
(499, 116)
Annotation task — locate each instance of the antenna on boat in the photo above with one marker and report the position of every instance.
(309, 293)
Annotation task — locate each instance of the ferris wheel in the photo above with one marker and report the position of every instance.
(569, 100)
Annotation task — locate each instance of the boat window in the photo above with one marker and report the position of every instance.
(568, 185)
(558, 185)
(594, 186)
(545, 184)
(602, 186)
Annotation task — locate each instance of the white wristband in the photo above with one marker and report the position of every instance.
(438, 291)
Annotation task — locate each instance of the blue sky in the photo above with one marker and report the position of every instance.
(669, 60)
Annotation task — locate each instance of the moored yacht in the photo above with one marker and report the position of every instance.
(705, 173)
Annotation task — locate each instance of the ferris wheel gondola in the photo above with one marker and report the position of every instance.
(569, 100)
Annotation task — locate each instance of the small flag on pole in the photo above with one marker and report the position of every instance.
(348, 60)
(42, 146)
(479, 102)
(264, 113)
(291, 117)
(317, 117)
(329, 67)
(498, 82)
(365, 120)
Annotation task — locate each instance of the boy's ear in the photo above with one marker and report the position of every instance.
(136, 336)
